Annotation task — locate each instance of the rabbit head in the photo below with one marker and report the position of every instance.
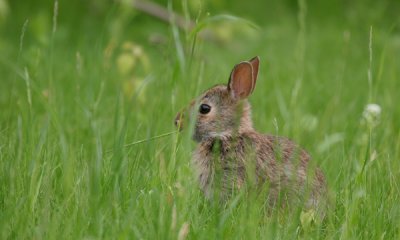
(223, 110)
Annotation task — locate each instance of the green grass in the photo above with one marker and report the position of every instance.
(71, 99)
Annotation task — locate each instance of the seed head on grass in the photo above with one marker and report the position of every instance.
(184, 231)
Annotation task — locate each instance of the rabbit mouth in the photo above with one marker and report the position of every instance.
(198, 137)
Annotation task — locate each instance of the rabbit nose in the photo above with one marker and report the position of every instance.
(179, 120)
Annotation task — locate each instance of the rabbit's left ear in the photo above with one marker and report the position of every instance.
(243, 78)
(255, 62)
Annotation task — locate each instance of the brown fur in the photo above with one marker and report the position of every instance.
(228, 145)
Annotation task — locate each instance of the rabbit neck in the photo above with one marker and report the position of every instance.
(246, 124)
(217, 144)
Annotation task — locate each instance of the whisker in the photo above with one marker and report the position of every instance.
(145, 140)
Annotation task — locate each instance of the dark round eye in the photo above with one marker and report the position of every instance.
(204, 108)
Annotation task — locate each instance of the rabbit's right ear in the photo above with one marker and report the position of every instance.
(242, 81)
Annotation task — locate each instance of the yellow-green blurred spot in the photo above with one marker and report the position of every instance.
(307, 218)
(4, 10)
(125, 63)
(135, 86)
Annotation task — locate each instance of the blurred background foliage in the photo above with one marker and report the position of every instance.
(78, 78)
(128, 39)
(104, 19)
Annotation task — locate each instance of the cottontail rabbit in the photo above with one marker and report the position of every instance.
(228, 144)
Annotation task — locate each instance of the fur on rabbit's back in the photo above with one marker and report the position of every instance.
(279, 164)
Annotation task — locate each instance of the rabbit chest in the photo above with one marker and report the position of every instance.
(221, 164)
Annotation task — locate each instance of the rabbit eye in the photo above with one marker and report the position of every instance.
(204, 108)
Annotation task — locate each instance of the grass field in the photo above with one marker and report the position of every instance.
(77, 84)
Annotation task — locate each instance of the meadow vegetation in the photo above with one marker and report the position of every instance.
(80, 80)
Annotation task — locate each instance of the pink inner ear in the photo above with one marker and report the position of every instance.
(241, 82)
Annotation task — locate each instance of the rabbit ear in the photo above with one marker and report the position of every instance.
(255, 62)
(243, 78)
